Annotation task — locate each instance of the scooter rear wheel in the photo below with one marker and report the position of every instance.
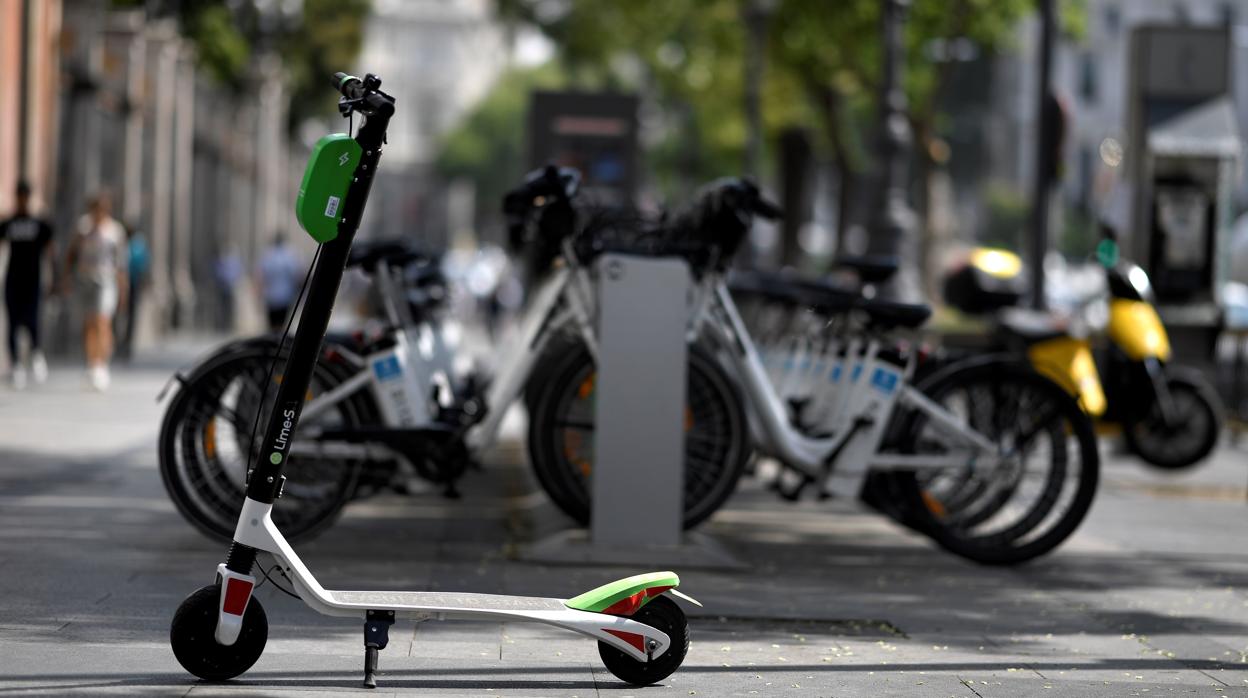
(661, 613)
(192, 636)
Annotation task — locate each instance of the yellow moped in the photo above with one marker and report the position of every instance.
(1169, 415)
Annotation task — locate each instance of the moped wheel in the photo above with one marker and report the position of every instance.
(561, 431)
(192, 636)
(663, 614)
(1030, 503)
(205, 442)
(1191, 437)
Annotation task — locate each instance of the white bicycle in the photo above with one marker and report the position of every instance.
(1012, 445)
(390, 404)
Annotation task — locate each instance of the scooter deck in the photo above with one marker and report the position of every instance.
(435, 601)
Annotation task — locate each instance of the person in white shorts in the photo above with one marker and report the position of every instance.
(96, 264)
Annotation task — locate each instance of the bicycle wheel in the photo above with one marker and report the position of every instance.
(562, 425)
(1029, 503)
(205, 441)
(1194, 433)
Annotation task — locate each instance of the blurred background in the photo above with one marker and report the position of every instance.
(915, 130)
(198, 117)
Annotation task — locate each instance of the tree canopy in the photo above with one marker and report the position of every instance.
(313, 37)
(822, 62)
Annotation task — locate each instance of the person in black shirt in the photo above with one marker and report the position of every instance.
(30, 239)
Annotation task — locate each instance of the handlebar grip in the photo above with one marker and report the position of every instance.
(353, 88)
(768, 209)
(350, 86)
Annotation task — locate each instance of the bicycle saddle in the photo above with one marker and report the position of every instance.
(394, 251)
(767, 285)
(885, 313)
(871, 269)
(817, 294)
(1031, 326)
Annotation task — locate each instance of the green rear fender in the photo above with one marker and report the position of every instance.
(625, 597)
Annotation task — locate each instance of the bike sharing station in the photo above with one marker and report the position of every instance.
(638, 474)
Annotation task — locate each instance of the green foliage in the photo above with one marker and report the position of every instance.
(314, 40)
(326, 40)
(488, 146)
(1079, 234)
(688, 57)
(1007, 210)
(223, 50)
(822, 60)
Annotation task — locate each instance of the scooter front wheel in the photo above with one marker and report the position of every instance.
(661, 613)
(1193, 434)
(192, 636)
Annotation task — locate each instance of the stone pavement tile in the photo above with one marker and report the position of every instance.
(59, 669)
(400, 675)
(464, 640)
(1020, 687)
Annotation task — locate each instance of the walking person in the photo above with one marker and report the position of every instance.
(97, 263)
(30, 242)
(227, 272)
(138, 261)
(278, 279)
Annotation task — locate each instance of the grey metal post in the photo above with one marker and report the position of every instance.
(638, 476)
(755, 13)
(136, 72)
(1044, 155)
(183, 162)
(164, 103)
(893, 222)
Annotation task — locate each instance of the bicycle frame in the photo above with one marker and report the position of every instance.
(870, 390)
(399, 378)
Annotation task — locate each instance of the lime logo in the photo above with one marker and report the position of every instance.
(275, 458)
(342, 159)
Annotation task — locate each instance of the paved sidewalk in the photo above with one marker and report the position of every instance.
(1150, 597)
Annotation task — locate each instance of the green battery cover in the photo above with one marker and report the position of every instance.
(325, 182)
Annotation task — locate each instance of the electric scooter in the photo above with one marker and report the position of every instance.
(220, 631)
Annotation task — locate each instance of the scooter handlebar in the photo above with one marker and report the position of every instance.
(369, 99)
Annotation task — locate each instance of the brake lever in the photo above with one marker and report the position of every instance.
(347, 106)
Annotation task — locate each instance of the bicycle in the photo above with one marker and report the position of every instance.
(876, 433)
(371, 408)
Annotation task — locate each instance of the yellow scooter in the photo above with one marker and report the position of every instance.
(1170, 416)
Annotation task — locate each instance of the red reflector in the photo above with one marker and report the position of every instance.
(237, 591)
(633, 639)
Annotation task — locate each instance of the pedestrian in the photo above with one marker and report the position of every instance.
(30, 243)
(278, 278)
(96, 263)
(138, 258)
(227, 272)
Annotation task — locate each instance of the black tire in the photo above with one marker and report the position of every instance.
(663, 614)
(192, 637)
(717, 444)
(1193, 438)
(205, 442)
(998, 518)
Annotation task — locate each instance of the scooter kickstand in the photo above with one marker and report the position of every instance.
(376, 637)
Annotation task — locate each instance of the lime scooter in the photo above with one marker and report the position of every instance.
(220, 630)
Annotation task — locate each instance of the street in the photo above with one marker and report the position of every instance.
(1150, 596)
